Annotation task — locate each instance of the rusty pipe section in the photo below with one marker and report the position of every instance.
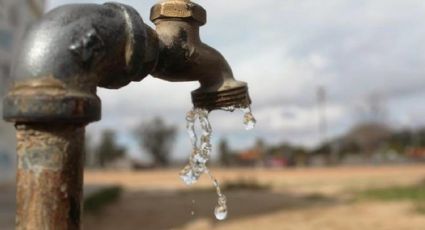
(184, 57)
(70, 52)
(64, 57)
(49, 176)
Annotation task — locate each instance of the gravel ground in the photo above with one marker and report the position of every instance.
(301, 199)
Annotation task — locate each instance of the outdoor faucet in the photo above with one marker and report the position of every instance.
(184, 57)
(64, 57)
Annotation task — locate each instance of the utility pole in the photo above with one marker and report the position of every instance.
(322, 122)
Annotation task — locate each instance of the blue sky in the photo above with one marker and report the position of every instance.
(285, 50)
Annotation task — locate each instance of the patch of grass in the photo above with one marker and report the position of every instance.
(245, 184)
(240, 184)
(97, 200)
(414, 194)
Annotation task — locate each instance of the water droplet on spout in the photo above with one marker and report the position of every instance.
(249, 119)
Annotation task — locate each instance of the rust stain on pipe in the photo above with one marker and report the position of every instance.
(50, 176)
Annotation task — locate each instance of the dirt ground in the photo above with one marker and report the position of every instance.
(299, 199)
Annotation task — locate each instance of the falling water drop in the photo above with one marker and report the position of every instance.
(190, 126)
(193, 208)
(220, 212)
(188, 176)
(201, 152)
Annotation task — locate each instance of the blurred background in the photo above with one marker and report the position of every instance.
(338, 94)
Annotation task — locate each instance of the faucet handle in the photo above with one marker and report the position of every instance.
(184, 9)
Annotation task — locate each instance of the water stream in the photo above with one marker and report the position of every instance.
(201, 152)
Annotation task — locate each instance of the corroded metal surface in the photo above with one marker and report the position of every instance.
(232, 98)
(184, 57)
(49, 176)
(69, 53)
(179, 9)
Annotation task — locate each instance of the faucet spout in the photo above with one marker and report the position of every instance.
(184, 57)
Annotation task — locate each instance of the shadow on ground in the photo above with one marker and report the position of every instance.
(171, 210)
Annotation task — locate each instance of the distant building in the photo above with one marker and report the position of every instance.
(417, 154)
(252, 157)
(15, 17)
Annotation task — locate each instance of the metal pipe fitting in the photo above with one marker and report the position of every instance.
(70, 52)
(184, 57)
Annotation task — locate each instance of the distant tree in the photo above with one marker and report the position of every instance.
(404, 139)
(373, 109)
(260, 145)
(224, 152)
(108, 150)
(88, 151)
(157, 138)
(369, 136)
(91, 158)
(421, 137)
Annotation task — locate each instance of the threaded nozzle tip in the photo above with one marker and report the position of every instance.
(236, 97)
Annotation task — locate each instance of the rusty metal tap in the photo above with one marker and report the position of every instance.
(64, 57)
(184, 57)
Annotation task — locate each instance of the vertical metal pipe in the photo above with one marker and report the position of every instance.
(54, 96)
(49, 176)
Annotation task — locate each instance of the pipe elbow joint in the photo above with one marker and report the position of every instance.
(184, 57)
(68, 53)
